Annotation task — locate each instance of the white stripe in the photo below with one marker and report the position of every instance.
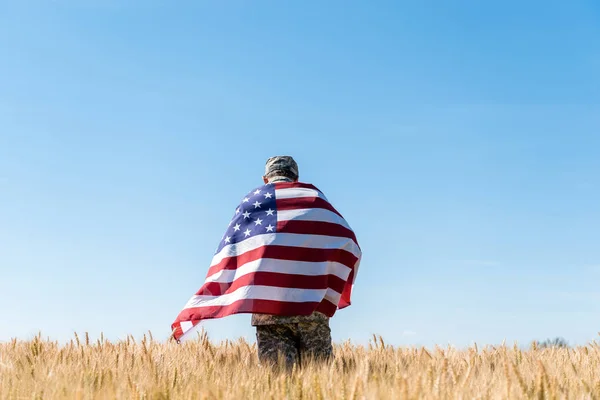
(333, 296)
(186, 326)
(257, 292)
(356, 267)
(312, 214)
(192, 333)
(284, 267)
(286, 239)
(294, 193)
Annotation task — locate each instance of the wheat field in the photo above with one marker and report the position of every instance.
(199, 369)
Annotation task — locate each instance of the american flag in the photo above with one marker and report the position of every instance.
(287, 251)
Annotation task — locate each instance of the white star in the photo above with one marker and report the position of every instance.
(246, 199)
(227, 239)
(270, 228)
(247, 233)
(246, 214)
(236, 227)
(257, 191)
(258, 221)
(270, 212)
(268, 195)
(257, 205)
(237, 211)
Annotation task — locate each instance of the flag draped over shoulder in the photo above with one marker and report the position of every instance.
(287, 251)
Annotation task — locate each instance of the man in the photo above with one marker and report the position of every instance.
(290, 259)
(292, 337)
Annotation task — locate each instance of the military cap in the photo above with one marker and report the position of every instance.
(281, 166)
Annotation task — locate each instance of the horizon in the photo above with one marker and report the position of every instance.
(459, 142)
(85, 337)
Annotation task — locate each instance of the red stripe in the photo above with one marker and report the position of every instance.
(326, 307)
(282, 280)
(251, 306)
(346, 293)
(303, 203)
(195, 315)
(292, 253)
(293, 185)
(315, 228)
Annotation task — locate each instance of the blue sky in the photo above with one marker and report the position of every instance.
(459, 140)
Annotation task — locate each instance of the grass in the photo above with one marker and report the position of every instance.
(200, 369)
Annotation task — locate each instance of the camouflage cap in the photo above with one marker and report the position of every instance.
(283, 166)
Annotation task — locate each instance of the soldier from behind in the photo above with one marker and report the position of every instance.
(287, 257)
(292, 337)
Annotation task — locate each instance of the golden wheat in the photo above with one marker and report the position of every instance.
(199, 369)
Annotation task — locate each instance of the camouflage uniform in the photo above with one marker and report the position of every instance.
(296, 338)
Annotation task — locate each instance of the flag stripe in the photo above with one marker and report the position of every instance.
(194, 315)
(292, 267)
(289, 185)
(285, 240)
(304, 202)
(186, 325)
(303, 254)
(312, 214)
(315, 228)
(298, 192)
(276, 279)
(274, 293)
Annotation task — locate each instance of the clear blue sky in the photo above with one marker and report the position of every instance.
(461, 141)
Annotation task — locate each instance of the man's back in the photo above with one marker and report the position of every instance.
(290, 336)
(266, 319)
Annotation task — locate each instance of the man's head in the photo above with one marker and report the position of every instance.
(280, 167)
